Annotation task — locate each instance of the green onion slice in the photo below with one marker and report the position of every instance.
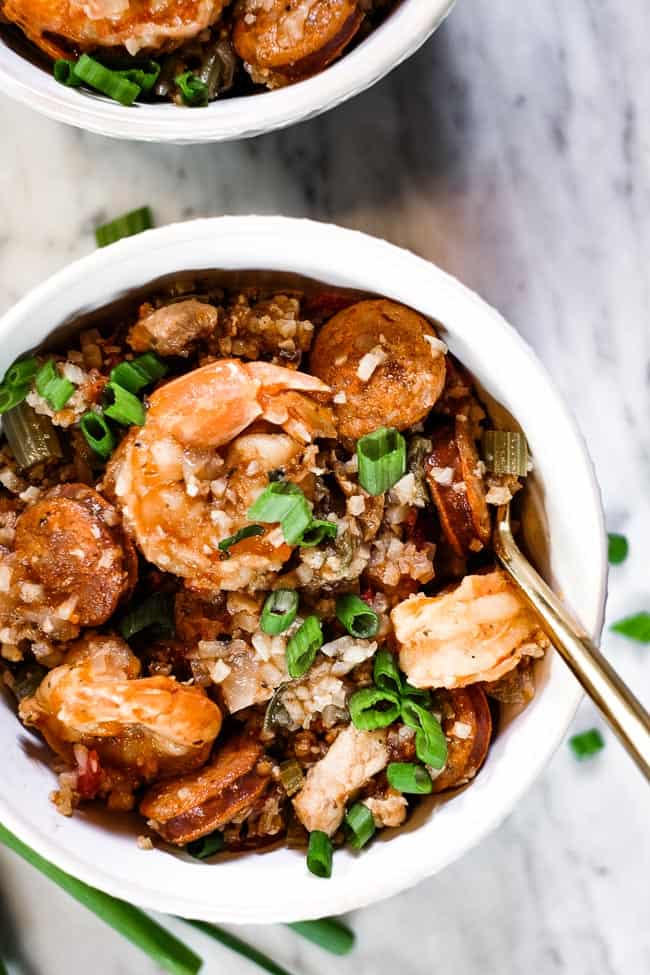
(122, 406)
(430, 741)
(636, 627)
(149, 363)
(280, 610)
(11, 396)
(127, 225)
(193, 90)
(409, 777)
(156, 610)
(419, 693)
(283, 501)
(98, 434)
(317, 531)
(64, 73)
(356, 616)
(130, 377)
(248, 531)
(505, 452)
(372, 708)
(144, 76)
(111, 83)
(54, 389)
(360, 824)
(21, 372)
(382, 459)
(31, 436)
(386, 672)
(303, 646)
(319, 854)
(296, 522)
(617, 548)
(206, 846)
(328, 933)
(291, 777)
(587, 743)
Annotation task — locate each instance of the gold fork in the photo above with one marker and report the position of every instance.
(624, 713)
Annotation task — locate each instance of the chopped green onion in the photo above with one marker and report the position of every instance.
(386, 672)
(129, 377)
(206, 846)
(409, 777)
(505, 452)
(419, 693)
(587, 743)
(303, 646)
(280, 610)
(617, 549)
(127, 225)
(372, 707)
(11, 396)
(166, 951)
(283, 501)
(319, 854)
(382, 459)
(123, 406)
(21, 373)
(328, 933)
(291, 777)
(636, 627)
(31, 436)
(111, 83)
(52, 387)
(296, 522)
(156, 610)
(145, 77)
(317, 531)
(98, 434)
(194, 91)
(361, 825)
(64, 73)
(430, 741)
(356, 616)
(248, 531)
(149, 363)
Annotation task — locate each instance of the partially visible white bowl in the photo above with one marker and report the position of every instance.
(231, 118)
(277, 887)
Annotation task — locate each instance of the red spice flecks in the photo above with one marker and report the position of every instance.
(89, 771)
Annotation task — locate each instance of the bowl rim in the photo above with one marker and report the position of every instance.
(392, 42)
(328, 898)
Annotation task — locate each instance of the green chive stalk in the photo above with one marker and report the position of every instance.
(240, 947)
(328, 933)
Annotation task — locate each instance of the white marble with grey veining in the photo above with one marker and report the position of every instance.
(514, 150)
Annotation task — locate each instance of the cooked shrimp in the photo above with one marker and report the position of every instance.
(60, 27)
(350, 763)
(477, 632)
(151, 726)
(173, 329)
(281, 41)
(384, 364)
(186, 479)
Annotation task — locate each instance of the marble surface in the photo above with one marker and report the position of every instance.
(514, 150)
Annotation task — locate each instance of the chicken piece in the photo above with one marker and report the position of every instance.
(281, 41)
(453, 473)
(71, 543)
(467, 725)
(349, 764)
(389, 810)
(173, 329)
(477, 632)
(189, 807)
(384, 365)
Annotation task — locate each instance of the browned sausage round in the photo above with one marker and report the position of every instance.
(72, 543)
(284, 40)
(468, 728)
(453, 475)
(398, 346)
(196, 804)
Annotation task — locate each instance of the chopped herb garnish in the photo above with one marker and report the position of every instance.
(247, 532)
(618, 548)
(587, 743)
(636, 627)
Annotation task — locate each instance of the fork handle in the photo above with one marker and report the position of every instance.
(621, 709)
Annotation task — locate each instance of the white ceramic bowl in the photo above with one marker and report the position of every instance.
(233, 118)
(277, 886)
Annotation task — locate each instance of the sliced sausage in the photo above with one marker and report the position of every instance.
(467, 724)
(189, 807)
(384, 365)
(71, 542)
(285, 40)
(453, 473)
(174, 329)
